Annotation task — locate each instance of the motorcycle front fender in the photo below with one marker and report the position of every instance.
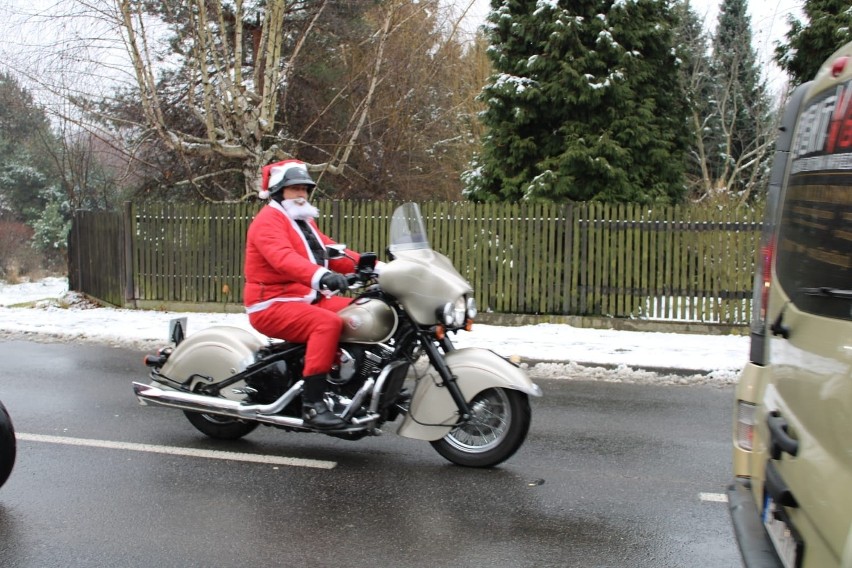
(433, 413)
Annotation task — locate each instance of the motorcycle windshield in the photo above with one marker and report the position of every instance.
(407, 231)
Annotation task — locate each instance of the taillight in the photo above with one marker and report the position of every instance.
(745, 425)
(159, 359)
(766, 254)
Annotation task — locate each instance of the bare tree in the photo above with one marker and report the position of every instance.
(221, 83)
(730, 124)
(742, 166)
(422, 129)
(715, 135)
(237, 104)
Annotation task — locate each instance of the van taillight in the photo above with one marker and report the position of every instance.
(767, 251)
(745, 425)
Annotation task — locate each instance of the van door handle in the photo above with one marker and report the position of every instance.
(779, 437)
(778, 327)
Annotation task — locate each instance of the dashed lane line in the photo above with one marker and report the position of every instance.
(176, 451)
(713, 497)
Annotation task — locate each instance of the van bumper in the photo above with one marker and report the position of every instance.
(755, 547)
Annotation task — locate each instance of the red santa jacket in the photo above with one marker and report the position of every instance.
(279, 265)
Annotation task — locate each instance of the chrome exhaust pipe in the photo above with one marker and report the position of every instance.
(222, 406)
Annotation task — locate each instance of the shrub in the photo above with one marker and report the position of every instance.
(17, 257)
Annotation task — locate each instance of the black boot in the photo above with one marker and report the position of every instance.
(315, 412)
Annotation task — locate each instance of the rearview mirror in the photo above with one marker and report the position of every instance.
(367, 262)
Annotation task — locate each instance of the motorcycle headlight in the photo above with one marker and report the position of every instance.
(471, 308)
(453, 313)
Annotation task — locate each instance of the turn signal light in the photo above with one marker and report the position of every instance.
(159, 359)
(154, 360)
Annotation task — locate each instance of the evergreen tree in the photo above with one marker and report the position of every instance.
(52, 225)
(740, 122)
(585, 104)
(828, 27)
(24, 129)
(31, 203)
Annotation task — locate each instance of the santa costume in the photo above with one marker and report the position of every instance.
(285, 268)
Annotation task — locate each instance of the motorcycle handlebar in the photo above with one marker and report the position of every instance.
(354, 279)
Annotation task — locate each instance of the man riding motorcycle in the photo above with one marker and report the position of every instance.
(289, 280)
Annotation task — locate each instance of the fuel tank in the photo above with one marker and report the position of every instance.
(368, 320)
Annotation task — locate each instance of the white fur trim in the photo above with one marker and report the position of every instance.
(263, 194)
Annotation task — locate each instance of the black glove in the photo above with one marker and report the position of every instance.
(334, 281)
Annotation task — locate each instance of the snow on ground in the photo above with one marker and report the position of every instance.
(44, 310)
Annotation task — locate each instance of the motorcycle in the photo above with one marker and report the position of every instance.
(7, 445)
(471, 404)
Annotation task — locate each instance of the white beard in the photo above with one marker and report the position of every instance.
(299, 209)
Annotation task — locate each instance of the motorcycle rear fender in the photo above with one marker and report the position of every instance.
(433, 413)
(216, 352)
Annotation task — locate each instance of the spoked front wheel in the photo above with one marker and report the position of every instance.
(500, 420)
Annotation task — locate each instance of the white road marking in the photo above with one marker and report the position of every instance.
(175, 451)
(713, 497)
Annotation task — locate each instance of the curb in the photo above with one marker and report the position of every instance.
(677, 371)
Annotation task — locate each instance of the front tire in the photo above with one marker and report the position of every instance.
(500, 420)
(7, 445)
(220, 427)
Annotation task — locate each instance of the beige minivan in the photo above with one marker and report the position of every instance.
(791, 500)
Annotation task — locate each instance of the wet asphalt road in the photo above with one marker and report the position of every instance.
(611, 475)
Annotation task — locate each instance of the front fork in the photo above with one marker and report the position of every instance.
(449, 380)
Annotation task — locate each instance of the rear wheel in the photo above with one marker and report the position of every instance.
(7, 445)
(220, 427)
(500, 420)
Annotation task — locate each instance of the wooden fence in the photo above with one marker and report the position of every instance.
(684, 263)
(97, 255)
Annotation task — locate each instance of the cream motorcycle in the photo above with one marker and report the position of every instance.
(395, 359)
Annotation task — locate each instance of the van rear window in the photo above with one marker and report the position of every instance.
(814, 249)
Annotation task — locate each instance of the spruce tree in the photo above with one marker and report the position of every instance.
(585, 104)
(828, 27)
(24, 166)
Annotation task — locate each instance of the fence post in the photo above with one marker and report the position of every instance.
(127, 257)
(74, 270)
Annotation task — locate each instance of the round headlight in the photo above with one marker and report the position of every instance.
(459, 310)
(447, 314)
(471, 308)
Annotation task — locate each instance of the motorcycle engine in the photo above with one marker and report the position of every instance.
(356, 363)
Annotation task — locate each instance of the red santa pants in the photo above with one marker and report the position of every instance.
(316, 325)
